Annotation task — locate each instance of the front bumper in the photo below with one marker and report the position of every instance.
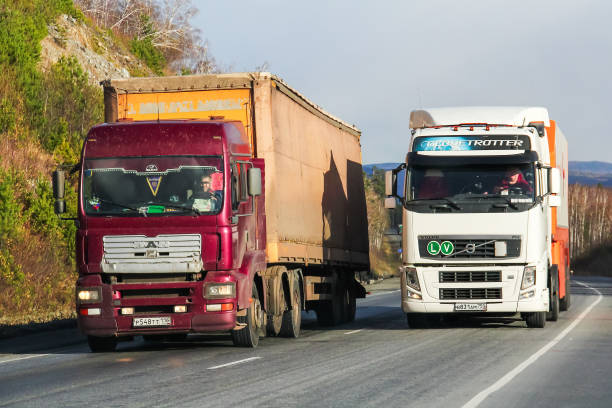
(151, 300)
(511, 300)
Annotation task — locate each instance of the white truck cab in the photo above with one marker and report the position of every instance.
(480, 198)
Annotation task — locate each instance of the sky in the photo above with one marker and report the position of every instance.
(371, 62)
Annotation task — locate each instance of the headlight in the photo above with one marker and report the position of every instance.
(89, 295)
(412, 279)
(220, 290)
(529, 277)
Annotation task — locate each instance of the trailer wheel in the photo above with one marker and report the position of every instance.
(101, 344)
(536, 319)
(275, 321)
(329, 312)
(249, 335)
(553, 314)
(292, 318)
(350, 305)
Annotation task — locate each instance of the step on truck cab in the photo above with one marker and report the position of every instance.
(485, 214)
(215, 203)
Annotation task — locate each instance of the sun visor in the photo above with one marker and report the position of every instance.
(415, 159)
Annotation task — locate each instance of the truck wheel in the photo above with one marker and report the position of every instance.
(292, 318)
(249, 336)
(564, 304)
(536, 319)
(275, 322)
(553, 314)
(417, 320)
(350, 305)
(101, 344)
(329, 312)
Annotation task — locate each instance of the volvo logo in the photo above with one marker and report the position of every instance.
(151, 167)
(470, 248)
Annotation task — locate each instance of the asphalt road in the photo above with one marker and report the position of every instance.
(375, 361)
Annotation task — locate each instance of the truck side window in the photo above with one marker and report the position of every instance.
(235, 187)
(243, 182)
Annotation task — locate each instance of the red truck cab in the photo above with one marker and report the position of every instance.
(169, 238)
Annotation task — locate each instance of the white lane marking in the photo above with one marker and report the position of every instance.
(381, 293)
(474, 402)
(354, 331)
(23, 358)
(233, 363)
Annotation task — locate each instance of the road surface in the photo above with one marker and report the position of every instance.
(375, 361)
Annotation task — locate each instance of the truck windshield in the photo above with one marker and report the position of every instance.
(157, 186)
(472, 181)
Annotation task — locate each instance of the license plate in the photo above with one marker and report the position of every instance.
(152, 321)
(470, 307)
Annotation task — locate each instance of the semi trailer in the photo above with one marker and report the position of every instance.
(215, 203)
(485, 215)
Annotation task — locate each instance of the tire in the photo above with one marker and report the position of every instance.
(553, 313)
(275, 322)
(331, 312)
(417, 320)
(292, 318)
(350, 306)
(564, 304)
(102, 344)
(249, 336)
(536, 320)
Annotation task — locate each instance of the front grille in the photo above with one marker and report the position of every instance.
(175, 253)
(470, 276)
(470, 248)
(155, 293)
(470, 293)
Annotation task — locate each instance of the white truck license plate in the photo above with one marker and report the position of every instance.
(470, 307)
(152, 321)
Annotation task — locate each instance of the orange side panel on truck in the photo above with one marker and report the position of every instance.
(560, 219)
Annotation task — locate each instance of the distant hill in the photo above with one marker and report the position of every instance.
(580, 172)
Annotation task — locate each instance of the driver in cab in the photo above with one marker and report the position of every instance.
(514, 182)
(204, 198)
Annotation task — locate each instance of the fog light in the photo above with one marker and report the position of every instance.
(220, 290)
(127, 310)
(527, 295)
(93, 311)
(213, 308)
(413, 295)
(89, 295)
(180, 309)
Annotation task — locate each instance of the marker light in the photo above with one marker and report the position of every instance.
(93, 311)
(127, 310)
(220, 307)
(89, 295)
(220, 290)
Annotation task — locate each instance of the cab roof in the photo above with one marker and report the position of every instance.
(491, 115)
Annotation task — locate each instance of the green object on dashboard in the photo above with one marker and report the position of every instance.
(156, 209)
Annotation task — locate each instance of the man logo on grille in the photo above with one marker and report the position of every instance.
(470, 248)
(151, 244)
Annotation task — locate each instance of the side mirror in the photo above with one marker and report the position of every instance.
(389, 184)
(554, 181)
(58, 191)
(254, 181)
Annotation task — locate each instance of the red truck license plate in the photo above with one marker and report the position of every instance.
(152, 321)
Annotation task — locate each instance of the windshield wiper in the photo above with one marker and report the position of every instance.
(448, 200)
(505, 198)
(182, 207)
